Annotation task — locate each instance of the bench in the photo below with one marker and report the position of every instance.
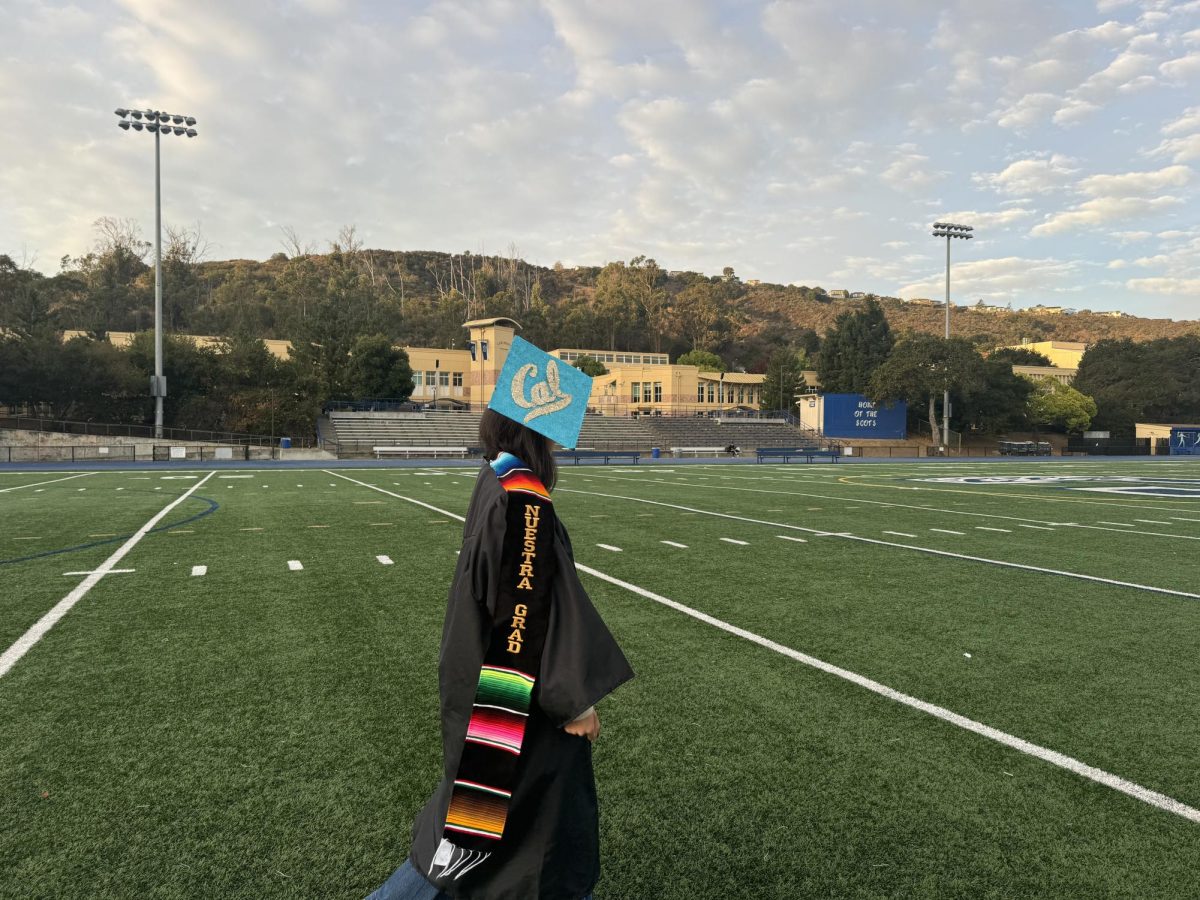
(409, 452)
(808, 454)
(605, 455)
(696, 451)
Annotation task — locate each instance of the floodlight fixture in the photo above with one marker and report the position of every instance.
(949, 230)
(157, 123)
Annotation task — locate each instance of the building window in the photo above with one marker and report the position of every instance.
(458, 379)
(712, 392)
(418, 379)
(658, 392)
(444, 379)
(431, 378)
(700, 393)
(741, 395)
(636, 388)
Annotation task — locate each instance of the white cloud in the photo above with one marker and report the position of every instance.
(1101, 211)
(1183, 68)
(1026, 111)
(1031, 176)
(1185, 123)
(1165, 285)
(1135, 184)
(983, 221)
(910, 171)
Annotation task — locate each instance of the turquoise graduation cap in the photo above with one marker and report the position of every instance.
(542, 393)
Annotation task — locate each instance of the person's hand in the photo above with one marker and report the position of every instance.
(588, 727)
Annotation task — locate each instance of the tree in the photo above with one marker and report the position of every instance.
(378, 370)
(1060, 405)
(1154, 381)
(703, 360)
(997, 403)
(590, 366)
(1020, 356)
(696, 315)
(613, 305)
(644, 278)
(857, 345)
(784, 380)
(921, 368)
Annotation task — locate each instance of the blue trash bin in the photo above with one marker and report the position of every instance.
(655, 452)
(285, 443)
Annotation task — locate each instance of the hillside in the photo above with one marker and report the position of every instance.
(421, 298)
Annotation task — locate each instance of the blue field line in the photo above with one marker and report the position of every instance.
(213, 506)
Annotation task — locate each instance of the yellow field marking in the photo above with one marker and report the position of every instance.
(316, 526)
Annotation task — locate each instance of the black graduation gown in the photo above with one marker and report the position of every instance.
(551, 846)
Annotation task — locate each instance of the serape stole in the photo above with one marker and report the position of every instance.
(489, 767)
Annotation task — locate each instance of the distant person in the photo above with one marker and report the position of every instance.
(733, 450)
(524, 659)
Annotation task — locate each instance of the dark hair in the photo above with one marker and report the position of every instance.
(499, 433)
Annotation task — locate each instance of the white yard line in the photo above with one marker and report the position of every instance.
(1121, 524)
(1038, 527)
(985, 528)
(21, 487)
(957, 512)
(1182, 519)
(1152, 521)
(673, 544)
(610, 547)
(788, 537)
(25, 642)
(295, 565)
(198, 571)
(948, 531)
(930, 550)
(900, 533)
(1062, 761)
(735, 541)
(1053, 757)
(109, 572)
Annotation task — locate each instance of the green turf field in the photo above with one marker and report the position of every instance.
(266, 726)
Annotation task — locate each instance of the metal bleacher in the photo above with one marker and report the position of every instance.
(358, 433)
(700, 431)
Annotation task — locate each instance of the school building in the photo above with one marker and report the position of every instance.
(640, 383)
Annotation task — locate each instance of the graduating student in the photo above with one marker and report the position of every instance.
(525, 657)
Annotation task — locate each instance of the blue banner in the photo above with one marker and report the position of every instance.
(1185, 441)
(854, 416)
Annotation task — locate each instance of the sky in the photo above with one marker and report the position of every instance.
(799, 141)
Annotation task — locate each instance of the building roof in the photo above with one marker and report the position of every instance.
(499, 320)
(732, 377)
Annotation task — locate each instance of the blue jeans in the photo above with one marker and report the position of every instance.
(406, 883)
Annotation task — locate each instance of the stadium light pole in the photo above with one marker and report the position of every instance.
(157, 123)
(949, 230)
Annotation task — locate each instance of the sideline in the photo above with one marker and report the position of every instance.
(930, 550)
(1053, 757)
(25, 642)
(952, 512)
(40, 483)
